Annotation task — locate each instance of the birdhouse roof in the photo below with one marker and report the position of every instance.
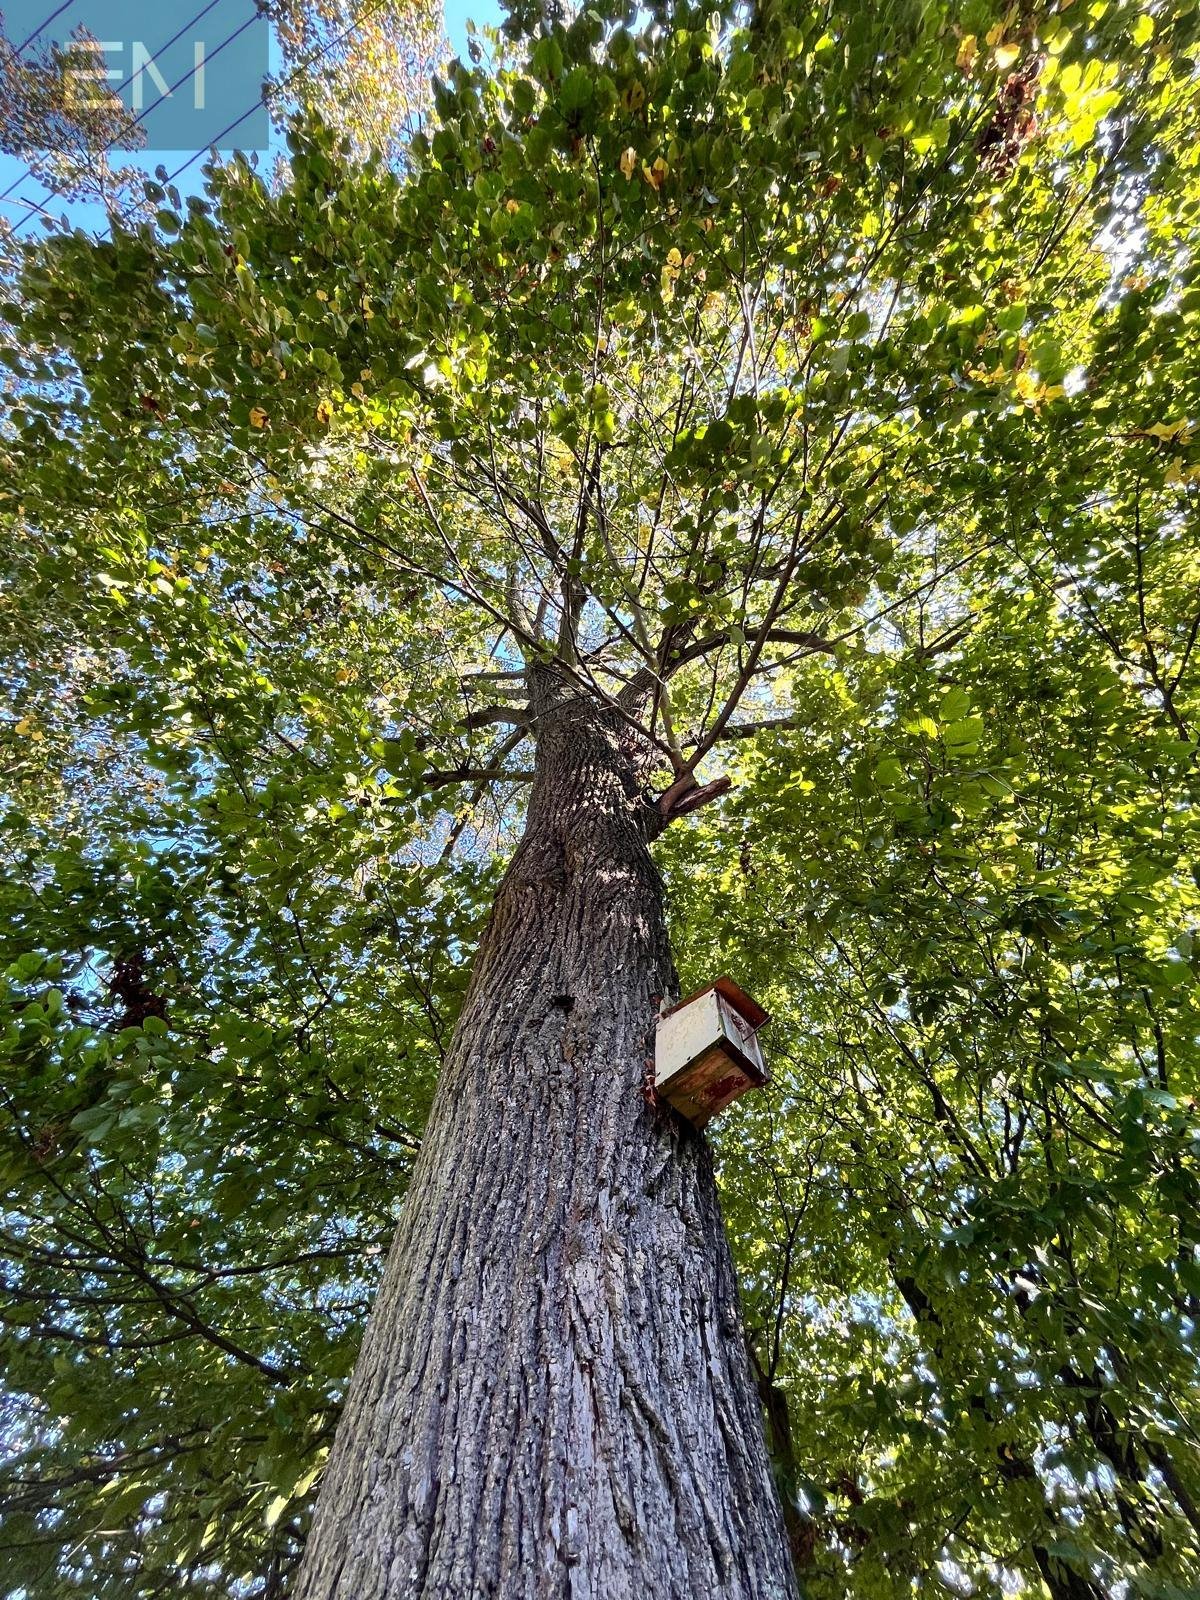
(737, 997)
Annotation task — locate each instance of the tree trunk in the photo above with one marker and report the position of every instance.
(553, 1396)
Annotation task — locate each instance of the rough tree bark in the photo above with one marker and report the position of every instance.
(553, 1397)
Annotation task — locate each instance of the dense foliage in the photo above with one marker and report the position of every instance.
(823, 377)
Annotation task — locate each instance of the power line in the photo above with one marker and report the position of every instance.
(297, 70)
(178, 84)
(302, 66)
(28, 173)
(41, 27)
(195, 156)
(174, 37)
(20, 50)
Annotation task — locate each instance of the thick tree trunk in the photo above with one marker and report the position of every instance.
(553, 1397)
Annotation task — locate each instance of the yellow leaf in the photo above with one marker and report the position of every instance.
(967, 51)
(324, 413)
(1167, 431)
(512, 207)
(309, 1478)
(1006, 55)
(629, 162)
(994, 35)
(258, 417)
(654, 175)
(674, 259)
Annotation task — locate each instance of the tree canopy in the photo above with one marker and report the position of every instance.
(815, 385)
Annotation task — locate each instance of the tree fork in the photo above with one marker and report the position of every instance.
(553, 1396)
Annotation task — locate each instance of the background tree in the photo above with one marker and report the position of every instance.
(59, 115)
(788, 412)
(376, 63)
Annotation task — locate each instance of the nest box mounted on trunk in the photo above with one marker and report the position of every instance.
(706, 1051)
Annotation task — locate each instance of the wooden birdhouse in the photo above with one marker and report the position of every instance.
(706, 1051)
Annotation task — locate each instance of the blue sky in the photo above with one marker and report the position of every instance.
(223, 83)
(484, 13)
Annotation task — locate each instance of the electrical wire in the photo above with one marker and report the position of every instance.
(256, 16)
(302, 66)
(274, 89)
(28, 173)
(41, 27)
(191, 73)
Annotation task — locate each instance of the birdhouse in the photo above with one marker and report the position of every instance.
(706, 1051)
